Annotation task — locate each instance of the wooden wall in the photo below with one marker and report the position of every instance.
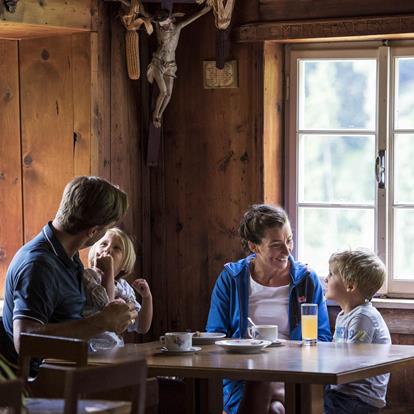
(45, 131)
(210, 171)
(56, 123)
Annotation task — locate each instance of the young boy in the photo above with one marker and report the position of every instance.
(354, 277)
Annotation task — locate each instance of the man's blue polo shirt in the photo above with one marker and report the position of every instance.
(43, 284)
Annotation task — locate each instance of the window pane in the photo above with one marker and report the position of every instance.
(404, 168)
(337, 94)
(404, 93)
(337, 169)
(326, 230)
(403, 244)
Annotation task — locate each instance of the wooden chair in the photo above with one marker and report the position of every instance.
(89, 380)
(11, 395)
(49, 382)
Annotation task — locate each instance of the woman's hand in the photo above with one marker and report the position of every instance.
(141, 286)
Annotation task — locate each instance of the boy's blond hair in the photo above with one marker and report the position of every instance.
(129, 256)
(361, 268)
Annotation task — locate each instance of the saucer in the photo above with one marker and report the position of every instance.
(190, 351)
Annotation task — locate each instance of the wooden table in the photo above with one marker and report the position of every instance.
(304, 369)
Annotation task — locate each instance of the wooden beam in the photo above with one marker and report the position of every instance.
(277, 10)
(34, 18)
(356, 28)
(20, 31)
(273, 63)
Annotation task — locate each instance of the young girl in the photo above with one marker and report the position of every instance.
(111, 259)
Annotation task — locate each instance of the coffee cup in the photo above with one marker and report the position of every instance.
(177, 341)
(264, 332)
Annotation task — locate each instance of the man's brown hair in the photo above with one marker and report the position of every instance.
(90, 201)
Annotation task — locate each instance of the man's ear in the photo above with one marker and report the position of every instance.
(92, 231)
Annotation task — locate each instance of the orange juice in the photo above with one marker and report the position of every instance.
(309, 327)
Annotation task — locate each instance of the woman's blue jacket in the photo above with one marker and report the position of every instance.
(229, 311)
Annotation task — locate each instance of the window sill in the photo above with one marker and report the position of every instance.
(386, 303)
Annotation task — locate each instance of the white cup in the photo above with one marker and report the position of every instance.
(177, 341)
(264, 332)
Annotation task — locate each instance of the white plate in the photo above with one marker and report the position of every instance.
(192, 350)
(244, 346)
(205, 338)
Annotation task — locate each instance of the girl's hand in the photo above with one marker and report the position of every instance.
(104, 262)
(141, 286)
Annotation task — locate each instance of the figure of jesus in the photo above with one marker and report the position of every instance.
(163, 67)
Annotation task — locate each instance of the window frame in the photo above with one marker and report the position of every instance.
(385, 54)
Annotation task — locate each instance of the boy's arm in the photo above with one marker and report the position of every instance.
(360, 330)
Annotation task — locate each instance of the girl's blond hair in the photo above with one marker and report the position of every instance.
(129, 256)
(361, 268)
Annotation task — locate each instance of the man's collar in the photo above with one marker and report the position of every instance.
(57, 247)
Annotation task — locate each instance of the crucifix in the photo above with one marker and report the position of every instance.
(162, 67)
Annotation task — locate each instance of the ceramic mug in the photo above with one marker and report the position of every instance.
(264, 332)
(177, 341)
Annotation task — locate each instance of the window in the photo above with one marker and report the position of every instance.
(350, 155)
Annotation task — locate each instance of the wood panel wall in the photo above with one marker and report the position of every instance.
(11, 211)
(57, 123)
(211, 164)
(45, 131)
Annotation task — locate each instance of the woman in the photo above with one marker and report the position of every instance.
(268, 286)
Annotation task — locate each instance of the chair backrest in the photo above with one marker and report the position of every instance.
(131, 374)
(11, 395)
(44, 346)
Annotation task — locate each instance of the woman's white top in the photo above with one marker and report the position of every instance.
(270, 306)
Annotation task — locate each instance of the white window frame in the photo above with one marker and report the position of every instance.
(384, 54)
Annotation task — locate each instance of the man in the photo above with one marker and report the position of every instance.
(44, 291)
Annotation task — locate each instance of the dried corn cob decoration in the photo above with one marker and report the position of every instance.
(133, 20)
(132, 54)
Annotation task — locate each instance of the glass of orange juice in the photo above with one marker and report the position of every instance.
(309, 323)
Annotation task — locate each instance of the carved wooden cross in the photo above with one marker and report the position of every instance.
(132, 21)
(222, 36)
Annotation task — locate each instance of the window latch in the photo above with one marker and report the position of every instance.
(380, 169)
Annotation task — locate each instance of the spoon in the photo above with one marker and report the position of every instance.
(250, 320)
